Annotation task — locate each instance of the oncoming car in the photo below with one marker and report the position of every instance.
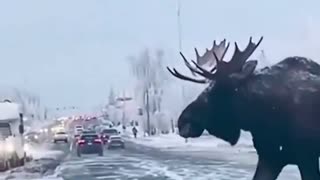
(60, 136)
(115, 141)
(106, 133)
(32, 137)
(89, 144)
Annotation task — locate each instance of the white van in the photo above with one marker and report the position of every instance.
(12, 153)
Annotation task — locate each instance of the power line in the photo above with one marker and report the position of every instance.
(179, 25)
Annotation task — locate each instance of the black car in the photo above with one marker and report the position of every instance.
(106, 133)
(89, 144)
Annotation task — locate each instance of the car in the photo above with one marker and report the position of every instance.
(78, 129)
(60, 136)
(88, 132)
(106, 133)
(115, 141)
(89, 144)
(32, 137)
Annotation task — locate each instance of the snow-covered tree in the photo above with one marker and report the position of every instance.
(149, 71)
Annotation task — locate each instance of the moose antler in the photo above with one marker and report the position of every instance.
(239, 57)
(217, 54)
(208, 57)
(219, 51)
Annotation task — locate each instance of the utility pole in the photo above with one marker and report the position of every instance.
(179, 25)
(263, 57)
(123, 110)
(148, 110)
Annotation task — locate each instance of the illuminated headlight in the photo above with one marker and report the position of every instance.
(46, 130)
(36, 136)
(9, 147)
(26, 148)
(41, 130)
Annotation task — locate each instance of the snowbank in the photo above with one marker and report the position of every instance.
(44, 163)
(175, 142)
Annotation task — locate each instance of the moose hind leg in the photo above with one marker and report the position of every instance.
(268, 169)
(309, 168)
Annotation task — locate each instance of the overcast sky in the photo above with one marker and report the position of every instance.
(71, 51)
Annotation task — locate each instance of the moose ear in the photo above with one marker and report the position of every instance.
(246, 71)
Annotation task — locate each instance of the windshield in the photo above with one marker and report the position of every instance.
(4, 130)
(110, 131)
(89, 136)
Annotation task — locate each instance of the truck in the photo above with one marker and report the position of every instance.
(12, 149)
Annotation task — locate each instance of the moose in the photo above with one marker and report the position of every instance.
(279, 106)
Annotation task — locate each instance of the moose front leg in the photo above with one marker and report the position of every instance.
(309, 167)
(269, 168)
(271, 159)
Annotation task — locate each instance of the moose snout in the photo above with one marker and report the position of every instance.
(184, 131)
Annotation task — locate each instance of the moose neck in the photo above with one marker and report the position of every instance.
(242, 107)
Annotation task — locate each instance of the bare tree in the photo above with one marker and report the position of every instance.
(30, 103)
(150, 74)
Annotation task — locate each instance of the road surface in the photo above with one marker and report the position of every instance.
(137, 162)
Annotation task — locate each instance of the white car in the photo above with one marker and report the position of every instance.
(115, 141)
(78, 129)
(60, 136)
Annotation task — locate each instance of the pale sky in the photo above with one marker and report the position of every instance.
(71, 51)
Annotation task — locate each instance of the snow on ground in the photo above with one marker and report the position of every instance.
(173, 142)
(208, 147)
(44, 163)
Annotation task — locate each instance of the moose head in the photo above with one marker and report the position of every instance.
(211, 109)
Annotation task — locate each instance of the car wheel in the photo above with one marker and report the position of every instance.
(55, 141)
(101, 153)
(14, 160)
(123, 146)
(66, 141)
(78, 153)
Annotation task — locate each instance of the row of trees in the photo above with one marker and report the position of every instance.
(152, 88)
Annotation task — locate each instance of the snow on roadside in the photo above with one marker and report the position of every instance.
(175, 142)
(205, 142)
(206, 146)
(209, 147)
(44, 163)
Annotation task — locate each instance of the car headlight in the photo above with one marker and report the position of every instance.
(9, 147)
(26, 147)
(36, 136)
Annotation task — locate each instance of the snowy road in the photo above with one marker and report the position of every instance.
(142, 163)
